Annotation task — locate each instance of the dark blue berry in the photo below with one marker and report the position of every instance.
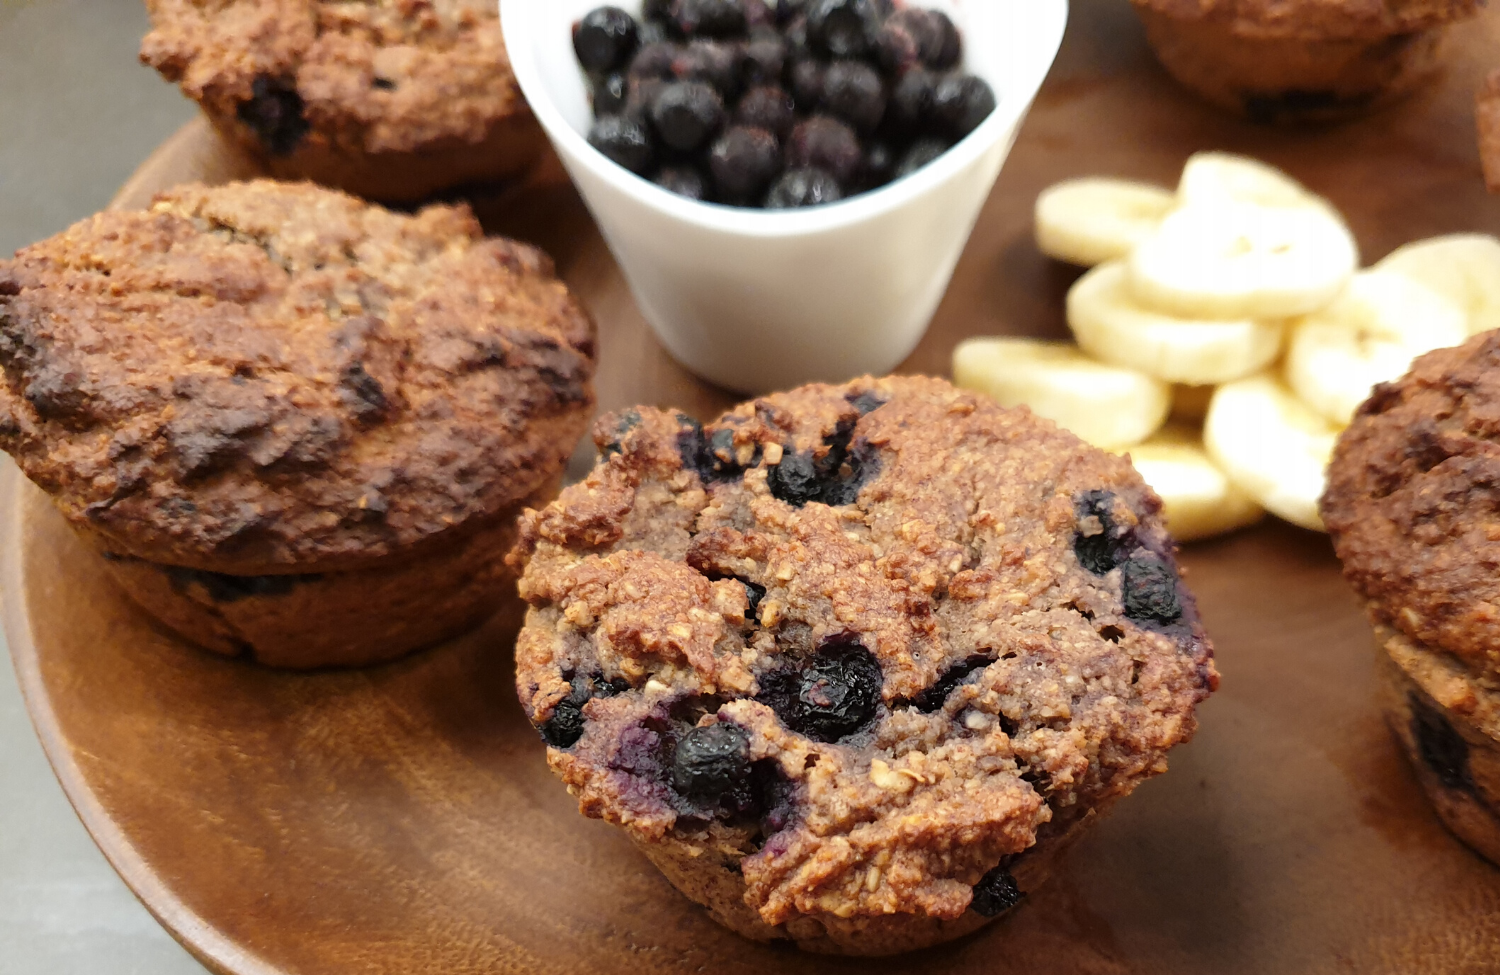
(624, 423)
(915, 34)
(713, 63)
(712, 457)
(709, 18)
(842, 28)
(611, 93)
(657, 10)
(803, 187)
(274, 114)
(604, 39)
(768, 107)
(643, 93)
(961, 103)
(224, 588)
(1101, 551)
(922, 153)
(744, 161)
(687, 114)
(896, 45)
(753, 595)
(865, 403)
(806, 81)
(798, 47)
(764, 58)
(789, 10)
(686, 181)
(830, 697)
(823, 142)
(1150, 587)
(1443, 749)
(711, 761)
(834, 479)
(909, 113)
(853, 91)
(878, 167)
(795, 480)
(565, 727)
(625, 140)
(654, 60)
(996, 893)
(933, 697)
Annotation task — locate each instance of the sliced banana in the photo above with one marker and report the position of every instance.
(1369, 335)
(1272, 446)
(1110, 325)
(1242, 260)
(1095, 219)
(1213, 177)
(1105, 405)
(1464, 268)
(1199, 500)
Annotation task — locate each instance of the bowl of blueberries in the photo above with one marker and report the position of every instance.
(787, 185)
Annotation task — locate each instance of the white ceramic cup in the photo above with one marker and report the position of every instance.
(756, 300)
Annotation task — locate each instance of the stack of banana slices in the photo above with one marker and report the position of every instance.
(1235, 304)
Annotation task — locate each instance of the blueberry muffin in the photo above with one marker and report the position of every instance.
(1413, 505)
(852, 664)
(294, 425)
(393, 101)
(1300, 60)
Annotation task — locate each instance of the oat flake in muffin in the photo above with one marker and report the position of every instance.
(847, 653)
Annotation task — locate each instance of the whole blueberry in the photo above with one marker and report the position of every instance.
(803, 187)
(625, 140)
(921, 153)
(878, 167)
(806, 80)
(1101, 551)
(709, 18)
(565, 726)
(611, 93)
(1149, 585)
(943, 47)
(685, 181)
(854, 92)
(909, 113)
(767, 107)
(996, 893)
(961, 103)
(842, 28)
(825, 143)
(798, 47)
(711, 761)
(744, 161)
(897, 49)
(604, 39)
(687, 114)
(830, 697)
(714, 63)
(764, 58)
(914, 34)
(653, 61)
(795, 480)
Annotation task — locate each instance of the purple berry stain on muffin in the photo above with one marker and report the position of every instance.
(274, 112)
(1443, 749)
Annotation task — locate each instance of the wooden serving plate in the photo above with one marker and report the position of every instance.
(402, 819)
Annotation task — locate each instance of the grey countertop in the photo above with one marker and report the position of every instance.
(77, 114)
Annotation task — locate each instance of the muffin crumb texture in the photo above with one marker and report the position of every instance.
(860, 646)
(1317, 20)
(389, 77)
(263, 375)
(1413, 503)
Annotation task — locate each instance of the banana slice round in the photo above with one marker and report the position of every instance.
(1369, 335)
(1105, 405)
(1464, 268)
(1242, 260)
(1110, 325)
(1272, 446)
(1212, 177)
(1095, 219)
(1199, 501)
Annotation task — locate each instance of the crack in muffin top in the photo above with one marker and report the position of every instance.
(1413, 503)
(267, 374)
(874, 636)
(1319, 20)
(371, 75)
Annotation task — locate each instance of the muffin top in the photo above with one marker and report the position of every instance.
(1413, 502)
(1316, 20)
(393, 76)
(270, 374)
(872, 637)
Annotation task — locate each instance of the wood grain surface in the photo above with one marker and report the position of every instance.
(402, 819)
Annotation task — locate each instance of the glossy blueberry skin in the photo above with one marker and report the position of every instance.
(961, 103)
(823, 142)
(624, 140)
(687, 114)
(605, 39)
(744, 161)
(854, 91)
(710, 761)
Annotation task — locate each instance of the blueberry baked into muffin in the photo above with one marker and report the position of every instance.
(1301, 60)
(1412, 508)
(395, 100)
(851, 664)
(295, 425)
